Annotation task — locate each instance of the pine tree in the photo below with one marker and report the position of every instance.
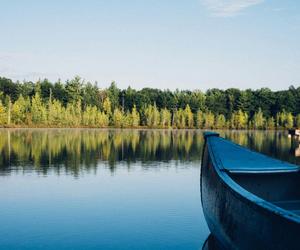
(284, 120)
(89, 116)
(280, 119)
(18, 111)
(220, 121)
(3, 114)
(152, 116)
(8, 104)
(55, 113)
(209, 120)
(189, 117)
(135, 118)
(117, 118)
(165, 118)
(239, 120)
(270, 124)
(107, 106)
(156, 116)
(149, 116)
(199, 119)
(289, 123)
(258, 120)
(73, 114)
(38, 110)
(179, 119)
(102, 120)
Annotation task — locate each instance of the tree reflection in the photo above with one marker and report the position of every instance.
(82, 150)
(75, 150)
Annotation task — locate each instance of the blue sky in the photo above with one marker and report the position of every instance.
(192, 44)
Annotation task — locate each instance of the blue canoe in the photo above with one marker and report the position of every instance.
(249, 200)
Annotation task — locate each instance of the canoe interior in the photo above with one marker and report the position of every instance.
(281, 189)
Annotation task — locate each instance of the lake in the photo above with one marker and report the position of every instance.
(110, 189)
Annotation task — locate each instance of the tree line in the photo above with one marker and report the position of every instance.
(76, 103)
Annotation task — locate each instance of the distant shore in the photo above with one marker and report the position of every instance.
(134, 128)
(77, 104)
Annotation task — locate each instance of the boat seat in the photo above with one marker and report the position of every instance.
(234, 158)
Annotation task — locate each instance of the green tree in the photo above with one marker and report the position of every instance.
(284, 120)
(135, 118)
(165, 118)
(209, 120)
(38, 110)
(55, 113)
(74, 90)
(118, 118)
(152, 116)
(189, 116)
(3, 114)
(239, 120)
(8, 105)
(107, 106)
(179, 119)
(199, 119)
(258, 120)
(289, 121)
(19, 110)
(89, 116)
(113, 94)
(220, 121)
(102, 120)
(270, 124)
(73, 114)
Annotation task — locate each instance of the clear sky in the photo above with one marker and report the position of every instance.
(192, 44)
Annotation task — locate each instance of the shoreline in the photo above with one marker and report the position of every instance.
(136, 128)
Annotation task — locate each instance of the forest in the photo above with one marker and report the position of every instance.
(76, 103)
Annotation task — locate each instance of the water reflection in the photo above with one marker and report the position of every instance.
(83, 149)
(75, 150)
(159, 209)
(276, 144)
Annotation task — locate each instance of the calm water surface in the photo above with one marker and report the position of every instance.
(109, 189)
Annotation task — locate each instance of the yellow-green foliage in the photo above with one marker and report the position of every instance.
(135, 118)
(89, 116)
(165, 118)
(209, 120)
(38, 110)
(118, 118)
(102, 119)
(239, 120)
(107, 106)
(3, 114)
(18, 111)
(270, 124)
(284, 119)
(49, 111)
(55, 113)
(259, 120)
(220, 121)
(189, 117)
(73, 114)
(179, 118)
(152, 116)
(199, 119)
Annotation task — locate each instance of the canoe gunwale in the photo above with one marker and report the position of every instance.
(241, 193)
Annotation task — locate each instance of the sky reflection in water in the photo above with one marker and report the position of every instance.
(109, 189)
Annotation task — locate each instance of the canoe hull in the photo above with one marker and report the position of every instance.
(237, 222)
